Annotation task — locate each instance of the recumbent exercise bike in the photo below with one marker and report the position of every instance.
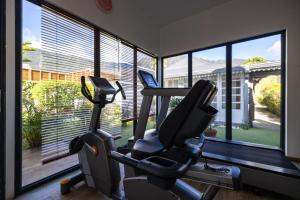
(156, 164)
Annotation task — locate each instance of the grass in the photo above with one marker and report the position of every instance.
(253, 135)
(127, 131)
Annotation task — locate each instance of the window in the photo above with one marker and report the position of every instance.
(236, 93)
(256, 91)
(256, 83)
(56, 52)
(210, 65)
(57, 49)
(146, 63)
(175, 71)
(116, 64)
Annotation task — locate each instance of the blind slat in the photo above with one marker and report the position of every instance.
(68, 49)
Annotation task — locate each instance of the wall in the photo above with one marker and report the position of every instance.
(239, 19)
(126, 20)
(10, 96)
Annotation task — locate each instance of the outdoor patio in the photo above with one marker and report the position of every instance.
(33, 170)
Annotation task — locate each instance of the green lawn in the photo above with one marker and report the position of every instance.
(253, 135)
(127, 131)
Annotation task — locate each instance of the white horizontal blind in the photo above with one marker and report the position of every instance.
(67, 54)
(111, 70)
(127, 81)
(116, 64)
(146, 63)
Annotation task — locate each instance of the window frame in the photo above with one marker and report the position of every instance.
(19, 189)
(228, 92)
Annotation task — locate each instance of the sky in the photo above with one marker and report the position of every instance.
(268, 48)
(32, 24)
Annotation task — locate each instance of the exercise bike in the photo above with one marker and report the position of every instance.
(156, 165)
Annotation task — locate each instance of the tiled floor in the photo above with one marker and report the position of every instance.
(297, 164)
(33, 169)
(51, 191)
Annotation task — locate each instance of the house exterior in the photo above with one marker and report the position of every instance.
(244, 79)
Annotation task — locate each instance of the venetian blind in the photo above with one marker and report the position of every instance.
(116, 64)
(67, 54)
(146, 63)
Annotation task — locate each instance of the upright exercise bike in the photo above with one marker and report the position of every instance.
(87, 146)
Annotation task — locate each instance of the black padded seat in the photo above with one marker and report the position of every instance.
(189, 119)
(151, 134)
(144, 148)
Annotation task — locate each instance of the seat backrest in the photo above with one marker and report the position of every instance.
(190, 117)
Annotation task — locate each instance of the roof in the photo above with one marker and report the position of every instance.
(207, 67)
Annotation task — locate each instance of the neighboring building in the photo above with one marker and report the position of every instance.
(244, 79)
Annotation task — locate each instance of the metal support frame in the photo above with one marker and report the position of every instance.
(163, 110)
(143, 118)
(165, 94)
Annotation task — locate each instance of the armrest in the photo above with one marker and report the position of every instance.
(124, 159)
(155, 165)
(117, 137)
(163, 167)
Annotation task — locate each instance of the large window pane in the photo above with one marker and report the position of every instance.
(146, 63)
(117, 65)
(56, 52)
(175, 71)
(256, 91)
(175, 75)
(211, 65)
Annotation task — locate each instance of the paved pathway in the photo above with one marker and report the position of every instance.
(265, 119)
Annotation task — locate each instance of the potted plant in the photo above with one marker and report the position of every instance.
(210, 132)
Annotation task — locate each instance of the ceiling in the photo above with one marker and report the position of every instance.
(164, 12)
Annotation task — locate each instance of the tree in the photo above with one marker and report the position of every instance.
(255, 60)
(25, 48)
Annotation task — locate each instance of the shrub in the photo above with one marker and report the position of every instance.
(46, 97)
(244, 126)
(32, 117)
(174, 102)
(56, 96)
(269, 94)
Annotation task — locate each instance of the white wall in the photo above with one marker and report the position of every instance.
(10, 98)
(239, 19)
(126, 20)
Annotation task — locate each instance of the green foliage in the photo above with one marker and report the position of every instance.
(31, 116)
(269, 93)
(47, 98)
(255, 60)
(26, 60)
(112, 114)
(56, 95)
(244, 126)
(26, 47)
(174, 102)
